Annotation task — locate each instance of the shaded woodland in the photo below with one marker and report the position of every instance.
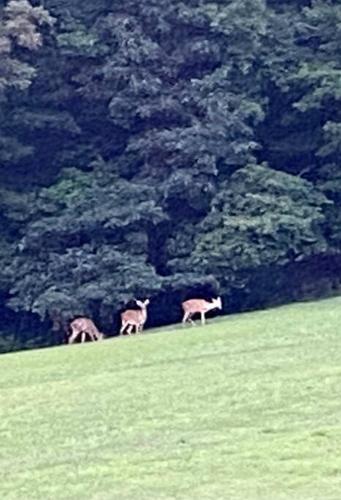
(166, 150)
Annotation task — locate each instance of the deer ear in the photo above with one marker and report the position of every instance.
(146, 302)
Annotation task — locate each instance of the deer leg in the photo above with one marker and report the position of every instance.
(185, 318)
(202, 318)
(73, 337)
(130, 329)
(190, 320)
(123, 327)
(92, 336)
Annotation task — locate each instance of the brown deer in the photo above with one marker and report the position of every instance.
(201, 306)
(84, 327)
(134, 317)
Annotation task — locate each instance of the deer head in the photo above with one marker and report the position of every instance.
(217, 303)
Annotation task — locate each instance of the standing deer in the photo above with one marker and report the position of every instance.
(201, 306)
(84, 327)
(134, 317)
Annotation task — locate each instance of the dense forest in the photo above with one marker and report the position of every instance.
(167, 150)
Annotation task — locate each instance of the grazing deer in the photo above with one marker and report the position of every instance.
(84, 327)
(201, 306)
(132, 317)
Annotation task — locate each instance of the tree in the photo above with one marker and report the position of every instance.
(84, 249)
(20, 33)
(260, 219)
(166, 150)
(19, 29)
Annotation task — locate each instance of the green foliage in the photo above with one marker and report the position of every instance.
(77, 41)
(259, 218)
(78, 251)
(131, 145)
(80, 279)
(18, 27)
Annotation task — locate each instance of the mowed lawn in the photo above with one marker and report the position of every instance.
(248, 407)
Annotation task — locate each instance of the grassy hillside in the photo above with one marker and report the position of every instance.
(247, 407)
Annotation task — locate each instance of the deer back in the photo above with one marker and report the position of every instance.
(84, 325)
(195, 305)
(133, 317)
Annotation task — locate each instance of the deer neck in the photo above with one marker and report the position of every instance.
(144, 314)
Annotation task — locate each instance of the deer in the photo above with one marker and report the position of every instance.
(133, 317)
(201, 306)
(84, 327)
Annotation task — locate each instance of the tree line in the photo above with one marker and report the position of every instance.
(165, 149)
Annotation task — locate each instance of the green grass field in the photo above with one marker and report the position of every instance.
(246, 408)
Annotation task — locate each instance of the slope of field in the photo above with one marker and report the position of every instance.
(246, 408)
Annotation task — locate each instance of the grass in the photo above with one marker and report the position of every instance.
(246, 408)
